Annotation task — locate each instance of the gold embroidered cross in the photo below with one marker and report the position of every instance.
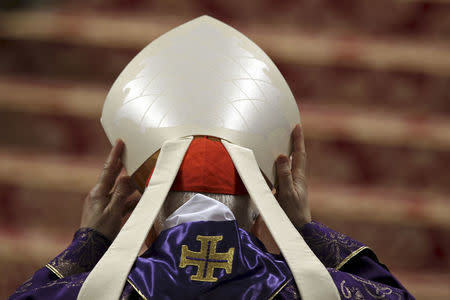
(207, 259)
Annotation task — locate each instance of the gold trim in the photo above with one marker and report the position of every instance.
(279, 289)
(353, 254)
(54, 270)
(136, 289)
(57, 273)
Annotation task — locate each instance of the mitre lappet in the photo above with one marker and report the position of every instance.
(202, 78)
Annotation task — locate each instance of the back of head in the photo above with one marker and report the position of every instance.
(207, 168)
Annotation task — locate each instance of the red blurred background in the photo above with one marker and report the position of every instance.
(371, 79)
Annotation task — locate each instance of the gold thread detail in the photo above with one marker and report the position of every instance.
(136, 289)
(207, 259)
(54, 270)
(279, 289)
(57, 273)
(353, 254)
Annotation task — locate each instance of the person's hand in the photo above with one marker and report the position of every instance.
(111, 198)
(292, 193)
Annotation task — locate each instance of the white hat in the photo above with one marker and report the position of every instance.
(201, 78)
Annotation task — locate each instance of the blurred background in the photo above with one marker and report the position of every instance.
(371, 78)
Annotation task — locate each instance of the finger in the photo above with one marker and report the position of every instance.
(131, 202)
(284, 175)
(298, 155)
(120, 171)
(122, 191)
(111, 169)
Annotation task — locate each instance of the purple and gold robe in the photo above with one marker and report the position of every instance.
(216, 260)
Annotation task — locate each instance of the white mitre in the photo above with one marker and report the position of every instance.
(203, 78)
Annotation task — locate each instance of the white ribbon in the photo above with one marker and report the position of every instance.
(312, 278)
(107, 279)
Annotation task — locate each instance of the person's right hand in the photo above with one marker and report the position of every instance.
(292, 191)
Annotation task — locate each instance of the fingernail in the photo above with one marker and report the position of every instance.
(297, 129)
(282, 160)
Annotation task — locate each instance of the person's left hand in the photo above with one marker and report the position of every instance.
(111, 198)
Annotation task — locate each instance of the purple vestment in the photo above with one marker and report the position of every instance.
(216, 260)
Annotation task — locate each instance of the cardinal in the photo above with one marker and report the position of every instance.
(210, 132)
(207, 240)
